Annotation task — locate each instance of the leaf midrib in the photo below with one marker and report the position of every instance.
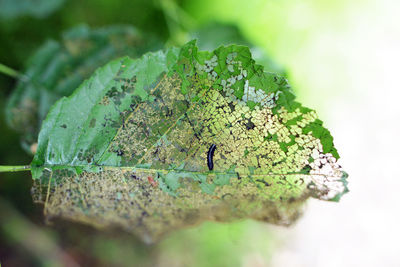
(213, 173)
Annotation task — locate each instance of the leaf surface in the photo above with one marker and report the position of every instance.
(213, 35)
(130, 147)
(58, 68)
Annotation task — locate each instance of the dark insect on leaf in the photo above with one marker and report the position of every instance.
(210, 156)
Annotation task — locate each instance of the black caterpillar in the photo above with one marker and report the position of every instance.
(210, 156)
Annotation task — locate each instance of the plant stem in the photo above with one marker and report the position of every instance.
(9, 71)
(15, 168)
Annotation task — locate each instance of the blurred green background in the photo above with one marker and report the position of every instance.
(342, 59)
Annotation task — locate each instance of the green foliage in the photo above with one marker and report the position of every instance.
(57, 68)
(129, 147)
(213, 35)
(39, 8)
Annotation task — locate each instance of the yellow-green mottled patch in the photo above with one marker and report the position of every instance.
(124, 197)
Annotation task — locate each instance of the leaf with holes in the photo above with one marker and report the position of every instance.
(181, 136)
(216, 34)
(58, 68)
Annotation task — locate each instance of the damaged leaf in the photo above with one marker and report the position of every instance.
(215, 34)
(132, 146)
(58, 68)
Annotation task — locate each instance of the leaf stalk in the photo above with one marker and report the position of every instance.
(15, 168)
(9, 71)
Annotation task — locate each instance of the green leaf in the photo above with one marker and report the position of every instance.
(130, 146)
(58, 68)
(39, 8)
(213, 35)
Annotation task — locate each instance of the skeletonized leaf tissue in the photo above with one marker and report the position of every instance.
(130, 147)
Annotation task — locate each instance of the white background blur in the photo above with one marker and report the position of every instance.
(343, 60)
(355, 88)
